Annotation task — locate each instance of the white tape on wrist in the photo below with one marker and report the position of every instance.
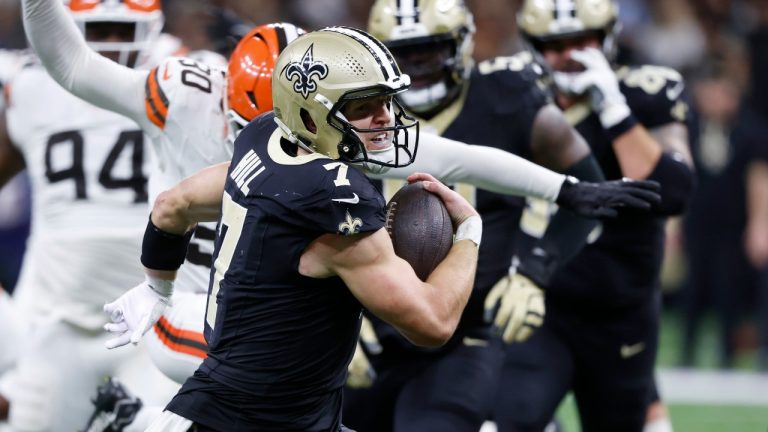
(471, 229)
(164, 287)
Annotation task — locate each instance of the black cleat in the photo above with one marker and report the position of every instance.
(114, 408)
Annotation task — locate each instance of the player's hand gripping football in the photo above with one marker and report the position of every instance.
(516, 306)
(599, 80)
(458, 208)
(136, 311)
(604, 199)
(361, 373)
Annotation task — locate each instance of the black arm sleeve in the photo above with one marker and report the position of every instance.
(677, 182)
(162, 250)
(566, 233)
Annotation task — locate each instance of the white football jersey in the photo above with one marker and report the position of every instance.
(89, 171)
(184, 113)
(11, 62)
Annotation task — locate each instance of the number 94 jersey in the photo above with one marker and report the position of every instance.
(88, 169)
(88, 166)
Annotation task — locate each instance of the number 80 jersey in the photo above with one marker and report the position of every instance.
(184, 114)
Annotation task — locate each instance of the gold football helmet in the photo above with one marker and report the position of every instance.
(432, 42)
(318, 73)
(545, 20)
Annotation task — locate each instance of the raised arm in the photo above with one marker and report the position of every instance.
(80, 70)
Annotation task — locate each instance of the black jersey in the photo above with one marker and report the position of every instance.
(497, 109)
(623, 264)
(500, 106)
(279, 342)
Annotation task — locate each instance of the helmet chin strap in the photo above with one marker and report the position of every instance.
(424, 99)
(386, 155)
(290, 136)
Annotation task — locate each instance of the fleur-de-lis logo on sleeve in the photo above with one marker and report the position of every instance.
(306, 73)
(350, 225)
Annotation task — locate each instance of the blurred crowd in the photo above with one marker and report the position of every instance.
(717, 255)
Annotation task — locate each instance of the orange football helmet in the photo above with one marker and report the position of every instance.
(145, 15)
(249, 78)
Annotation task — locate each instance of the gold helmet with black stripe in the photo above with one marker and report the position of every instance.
(320, 72)
(432, 41)
(542, 21)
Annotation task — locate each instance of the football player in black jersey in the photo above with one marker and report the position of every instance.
(500, 102)
(600, 335)
(301, 245)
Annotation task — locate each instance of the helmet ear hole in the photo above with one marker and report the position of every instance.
(251, 97)
(309, 123)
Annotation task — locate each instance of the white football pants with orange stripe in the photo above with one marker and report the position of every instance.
(61, 368)
(176, 343)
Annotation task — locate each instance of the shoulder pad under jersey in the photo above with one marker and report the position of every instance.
(655, 94)
(510, 83)
(183, 81)
(518, 70)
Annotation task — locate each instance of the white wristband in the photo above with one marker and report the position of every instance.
(163, 287)
(471, 229)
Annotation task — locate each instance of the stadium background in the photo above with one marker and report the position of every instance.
(717, 381)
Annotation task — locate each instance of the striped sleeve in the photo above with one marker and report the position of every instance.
(155, 100)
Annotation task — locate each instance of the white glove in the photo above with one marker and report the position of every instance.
(600, 81)
(136, 311)
(361, 373)
(521, 308)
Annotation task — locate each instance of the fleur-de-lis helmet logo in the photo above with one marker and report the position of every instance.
(350, 225)
(306, 73)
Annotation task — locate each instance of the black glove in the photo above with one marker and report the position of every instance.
(538, 265)
(603, 199)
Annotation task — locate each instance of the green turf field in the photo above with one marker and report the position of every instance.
(692, 418)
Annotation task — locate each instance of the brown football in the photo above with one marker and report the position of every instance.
(420, 228)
